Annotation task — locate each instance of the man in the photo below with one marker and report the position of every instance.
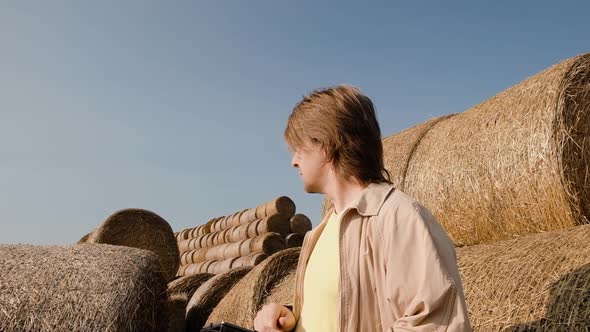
(378, 261)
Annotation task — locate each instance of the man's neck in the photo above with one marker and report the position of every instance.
(343, 193)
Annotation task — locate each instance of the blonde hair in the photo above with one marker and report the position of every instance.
(342, 121)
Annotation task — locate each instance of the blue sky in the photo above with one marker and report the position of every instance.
(179, 107)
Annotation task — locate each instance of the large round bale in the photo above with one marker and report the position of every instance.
(208, 296)
(539, 282)
(283, 291)
(141, 229)
(187, 285)
(242, 303)
(80, 288)
(513, 165)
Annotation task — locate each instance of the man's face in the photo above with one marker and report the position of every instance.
(313, 168)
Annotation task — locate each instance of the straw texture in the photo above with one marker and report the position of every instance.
(80, 288)
(187, 285)
(539, 282)
(513, 165)
(208, 296)
(283, 291)
(242, 303)
(141, 229)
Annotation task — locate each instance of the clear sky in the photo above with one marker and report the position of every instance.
(179, 106)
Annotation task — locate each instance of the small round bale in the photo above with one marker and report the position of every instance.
(242, 303)
(208, 296)
(300, 224)
(539, 282)
(141, 229)
(187, 285)
(294, 240)
(82, 287)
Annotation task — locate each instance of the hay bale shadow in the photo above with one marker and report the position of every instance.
(568, 308)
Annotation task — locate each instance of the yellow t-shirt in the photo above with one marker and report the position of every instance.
(321, 282)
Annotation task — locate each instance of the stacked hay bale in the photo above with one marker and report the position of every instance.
(516, 164)
(80, 288)
(244, 238)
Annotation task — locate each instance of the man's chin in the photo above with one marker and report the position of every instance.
(311, 190)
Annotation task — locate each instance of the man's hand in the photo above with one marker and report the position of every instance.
(274, 317)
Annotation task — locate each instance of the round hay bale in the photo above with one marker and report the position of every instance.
(141, 229)
(187, 285)
(185, 234)
(281, 205)
(300, 224)
(276, 223)
(208, 296)
(539, 282)
(181, 270)
(260, 211)
(196, 256)
(248, 216)
(294, 240)
(268, 243)
(176, 308)
(196, 268)
(223, 266)
(188, 245)
(283, 291)
(84, 238)
(236, 218)
(231, 250)
(245, 247)
(183, 258)
(250, 260)
(241, 304)
(83, 287)
(513, 165)
(252, 228)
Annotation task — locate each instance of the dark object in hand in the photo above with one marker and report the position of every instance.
(224, 327)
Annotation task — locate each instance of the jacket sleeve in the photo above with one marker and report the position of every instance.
(422, 282)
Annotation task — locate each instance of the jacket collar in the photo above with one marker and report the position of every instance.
(372, 198)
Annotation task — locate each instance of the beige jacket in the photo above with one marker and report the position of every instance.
(398, 269)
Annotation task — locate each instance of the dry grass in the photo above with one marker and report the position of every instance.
(83, 287)
(141, 229)
(187, 285)
(540, 282)
(284, 290)
(208, 296)
(242, 303)
(513, 165)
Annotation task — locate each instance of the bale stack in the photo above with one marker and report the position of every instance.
(208, 295)
(244, 238)
(516, 164)
(85, 287)
(242, 302)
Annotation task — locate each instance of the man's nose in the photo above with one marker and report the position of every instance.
(294, 162)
